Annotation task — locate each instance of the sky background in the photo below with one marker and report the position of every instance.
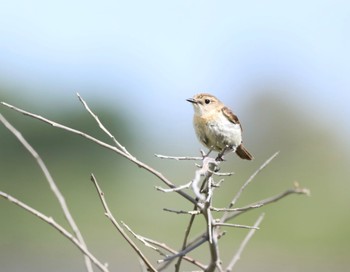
(282, 66)
(151, 51)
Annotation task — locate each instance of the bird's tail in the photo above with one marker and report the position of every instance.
(243, 153)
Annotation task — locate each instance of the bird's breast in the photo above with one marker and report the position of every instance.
(217, 131)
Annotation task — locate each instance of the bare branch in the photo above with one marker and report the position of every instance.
(102, 126)
(210, 192)
(144, 240)
(52, 184)
(164, 246)
(207, 164)
(221, 174)
(206, 169)
(187, 233)
(105, 145)
(143, 267)
(194, 212)
(259, 204)
(213, 243)
(179, 158)
(252, 206)
(118, 227)
(244, 243)
(203, 186)
(226, 215)
(58, 227)
(296, 190)
(217, 184)
(235, 226)
(233, 202)
(183, 252)
(179, 188)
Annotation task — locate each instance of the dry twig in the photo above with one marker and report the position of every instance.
(203, 186)
(105, 145)
(237, 256)
(118, 227)
(52, 184)
(58, 227)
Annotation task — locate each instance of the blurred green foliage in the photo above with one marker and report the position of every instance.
(308, 234)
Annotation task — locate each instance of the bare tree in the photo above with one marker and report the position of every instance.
(206, 181)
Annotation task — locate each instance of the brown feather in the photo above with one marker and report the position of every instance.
(231, 116)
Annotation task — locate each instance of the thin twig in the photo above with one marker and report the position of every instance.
(296, 190)
(144, 240)
(143, 267)
(179, 188)
(52, 185)
(202, 203)
(259, 204)
(252, 206)
(164, 246)
(58, 227)
(182, 158)
(235, 226)
(188, 229)
(194, 212)
(226, 215)
(187, 234)
(237, 256)
(233, 202)
(102, 126)
(221, 174)
(118, 227)
(183, 252)
(237, 211)
(208, 164)
(105, 145)
(217, 184)
(184, 243)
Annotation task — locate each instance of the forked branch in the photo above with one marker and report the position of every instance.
(203, 186)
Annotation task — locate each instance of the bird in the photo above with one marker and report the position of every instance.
(216, 126)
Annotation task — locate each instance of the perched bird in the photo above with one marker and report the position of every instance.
(216, 126)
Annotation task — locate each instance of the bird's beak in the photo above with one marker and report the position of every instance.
(191, 100)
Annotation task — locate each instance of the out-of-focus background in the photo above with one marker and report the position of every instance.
(282, 66)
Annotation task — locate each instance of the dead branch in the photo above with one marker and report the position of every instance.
(52, 184)
(118, 227)
(203, 187)
(58, 227)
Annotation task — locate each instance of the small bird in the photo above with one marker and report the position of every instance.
(216, 126)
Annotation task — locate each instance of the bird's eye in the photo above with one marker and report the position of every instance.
(207, 101)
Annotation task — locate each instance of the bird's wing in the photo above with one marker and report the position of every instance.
(231, 116)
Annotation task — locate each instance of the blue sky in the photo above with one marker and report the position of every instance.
(139, 52)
